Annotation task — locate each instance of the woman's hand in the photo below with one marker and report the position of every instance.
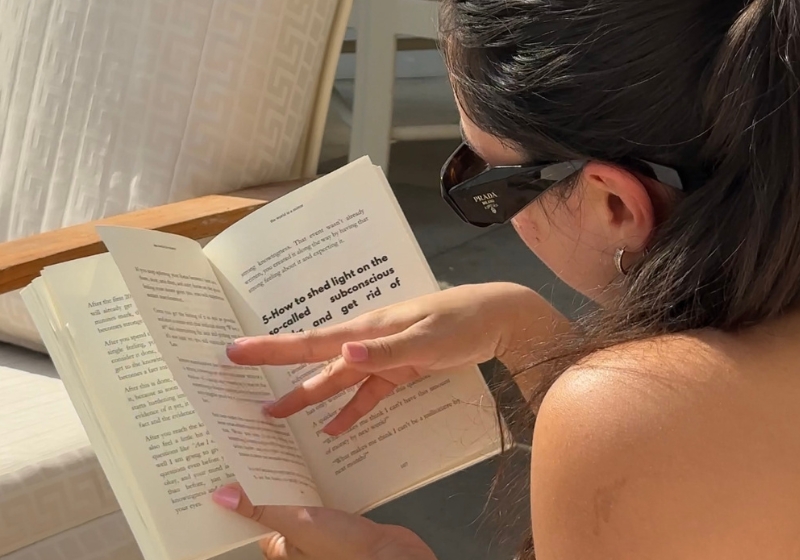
(324, 534)
(392, 346)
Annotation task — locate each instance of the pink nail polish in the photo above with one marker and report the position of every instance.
(227, 497)
(356, 352)
(236, 343)
(267, 407)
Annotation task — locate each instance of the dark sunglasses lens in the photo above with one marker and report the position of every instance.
(462, 166)
(498, 195)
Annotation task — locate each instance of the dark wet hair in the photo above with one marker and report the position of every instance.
(710, 87)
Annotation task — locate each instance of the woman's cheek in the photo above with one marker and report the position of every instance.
(536, 231)
(528, 229)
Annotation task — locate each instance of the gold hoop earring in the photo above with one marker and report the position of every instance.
(618, 254)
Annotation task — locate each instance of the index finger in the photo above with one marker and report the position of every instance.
(318, 345)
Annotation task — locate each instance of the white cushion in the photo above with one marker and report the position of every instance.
(104, 538)
(120, 105)
(50, 480)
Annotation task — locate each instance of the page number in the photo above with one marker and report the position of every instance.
(404, 465)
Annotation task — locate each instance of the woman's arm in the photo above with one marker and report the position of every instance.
(532, 322)
(460, 326)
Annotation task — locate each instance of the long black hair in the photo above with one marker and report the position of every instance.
(710, 87)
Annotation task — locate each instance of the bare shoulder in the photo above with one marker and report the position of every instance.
(668, 448)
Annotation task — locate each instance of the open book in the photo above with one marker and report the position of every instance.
(139, 336)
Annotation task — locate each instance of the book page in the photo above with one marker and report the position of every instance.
(153, 447)
(191, 322)
(41, 309)
(324, 254)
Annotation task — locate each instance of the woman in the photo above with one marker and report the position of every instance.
(659, 145)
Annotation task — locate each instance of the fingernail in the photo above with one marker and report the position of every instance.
(227, 497)
(356, 352)
(267, 407)
(327, 430)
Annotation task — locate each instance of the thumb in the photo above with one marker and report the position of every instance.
(282, 519)
(307, 529)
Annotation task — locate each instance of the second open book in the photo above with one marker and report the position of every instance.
(139, 336)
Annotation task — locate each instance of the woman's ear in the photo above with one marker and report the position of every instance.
(622, 205)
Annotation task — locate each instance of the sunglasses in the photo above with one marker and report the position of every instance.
(482, 195)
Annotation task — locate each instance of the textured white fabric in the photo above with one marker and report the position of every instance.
(50, 479)
(13, 357)
(108, 106)
(104, 538)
